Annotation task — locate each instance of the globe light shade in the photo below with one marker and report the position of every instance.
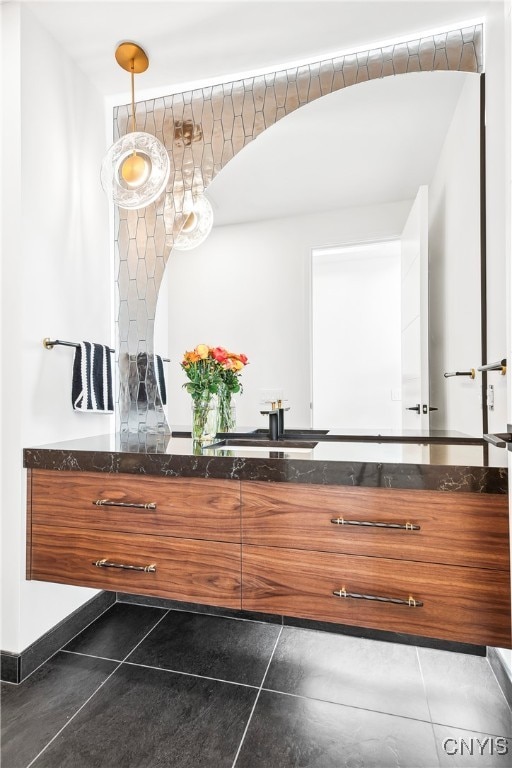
(135, 170)
(197, 226)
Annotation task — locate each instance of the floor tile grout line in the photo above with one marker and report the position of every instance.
(423, 682)
(190, 674)
(438, 753)
(425, 692)
(90, 655)
(93, 694)
(61, 647)
(256, 699)
(146, 635)
(159, 669)
(350, 706)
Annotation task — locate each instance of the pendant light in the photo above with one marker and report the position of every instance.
(136, 168)
(197, 226)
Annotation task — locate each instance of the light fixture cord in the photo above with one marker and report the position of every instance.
(133, 94)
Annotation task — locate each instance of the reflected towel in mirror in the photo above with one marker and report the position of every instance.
(160, 379)
(146, 395)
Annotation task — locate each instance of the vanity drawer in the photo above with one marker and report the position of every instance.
(189, 507)
(190, 570)
(462, 604)
(453, 528)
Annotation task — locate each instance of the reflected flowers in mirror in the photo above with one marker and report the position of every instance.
(231, 365)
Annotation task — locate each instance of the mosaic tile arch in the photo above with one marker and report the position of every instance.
(202, 130)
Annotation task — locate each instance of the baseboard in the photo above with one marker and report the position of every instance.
(387, 637)
(15, 667)
(323, 626)
(209, 610)
(501, 673)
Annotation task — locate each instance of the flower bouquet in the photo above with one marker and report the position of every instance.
(212, 371)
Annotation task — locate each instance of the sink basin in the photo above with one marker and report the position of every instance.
(259, 444)
(293, 434)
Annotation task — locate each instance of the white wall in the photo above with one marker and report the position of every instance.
(454, 268)
(56, 281)
(248, 289)
(11, 287)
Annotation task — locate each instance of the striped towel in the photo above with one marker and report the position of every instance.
(92, 379)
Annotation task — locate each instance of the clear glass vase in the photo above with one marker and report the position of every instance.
(204, 420)
(227, 412)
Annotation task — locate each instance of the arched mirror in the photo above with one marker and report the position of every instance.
(293, 274)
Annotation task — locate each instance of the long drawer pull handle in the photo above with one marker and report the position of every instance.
(411, 602)
(372, 524)
(125, 504)
(106, 564)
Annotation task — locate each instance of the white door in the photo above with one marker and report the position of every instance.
(414, 322)
(356, 371)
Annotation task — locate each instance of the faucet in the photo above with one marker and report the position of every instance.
(275, 419)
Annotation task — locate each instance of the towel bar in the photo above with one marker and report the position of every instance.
(49, 344)
(470, 373)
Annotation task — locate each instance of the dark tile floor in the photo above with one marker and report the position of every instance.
(145, 687)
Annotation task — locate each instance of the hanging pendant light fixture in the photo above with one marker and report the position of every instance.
(136, 168)
(197, 226)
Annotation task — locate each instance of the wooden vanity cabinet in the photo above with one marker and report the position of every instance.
(426, 563)
(176, 537)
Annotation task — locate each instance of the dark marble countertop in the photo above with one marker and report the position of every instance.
(426, 466)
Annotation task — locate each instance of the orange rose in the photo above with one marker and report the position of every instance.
(241, 358)
(202, 350)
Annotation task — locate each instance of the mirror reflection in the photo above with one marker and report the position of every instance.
(344, 261)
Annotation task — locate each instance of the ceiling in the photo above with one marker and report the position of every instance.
(188, 42)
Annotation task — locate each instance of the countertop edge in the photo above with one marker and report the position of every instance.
(450, 478)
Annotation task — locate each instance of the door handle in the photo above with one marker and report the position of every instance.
(427, 408)
(500, 439)
(416, 408)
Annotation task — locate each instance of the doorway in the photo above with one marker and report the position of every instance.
(356, 336)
